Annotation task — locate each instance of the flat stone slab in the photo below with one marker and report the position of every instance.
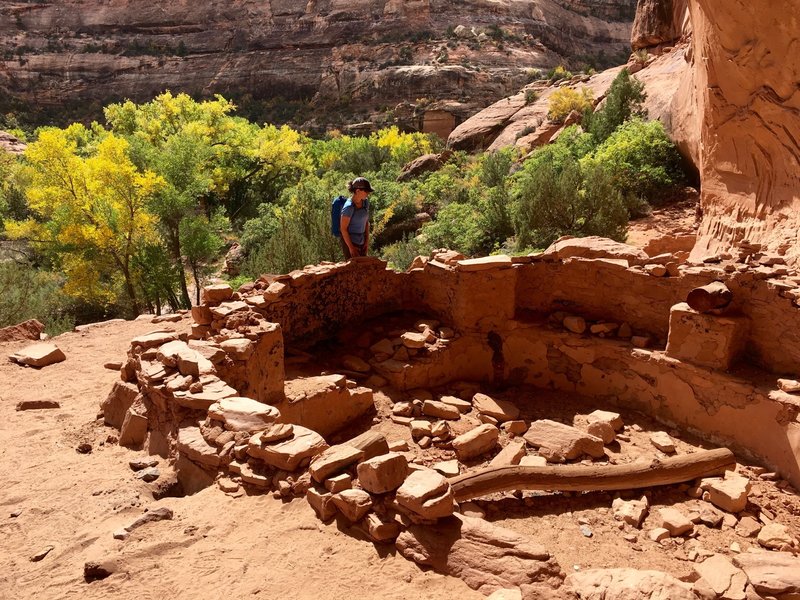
(192, 444)
(288, 454)
(498, 409)
(556, 440)
(476, 441)
(771, 573)
(243, 414)
(39, 355)
(334, 460)
(628, 583)
(427, 494)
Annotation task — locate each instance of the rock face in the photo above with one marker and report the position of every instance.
(625, 584)
(658, 22)
(744, 97)
(374, 51)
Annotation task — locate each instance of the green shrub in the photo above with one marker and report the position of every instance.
(401, 254)
(558, 73)
(457, 227)
(531, 96)
(565, 100)
(623, 101)
(29, 293)
(642, 161)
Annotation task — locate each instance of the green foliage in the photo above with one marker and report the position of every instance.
(531, 96)
(457, 226)
(564, 100)
(641, 160)
(401, 254)
(29, 293)
(558, 73)
(623, 101)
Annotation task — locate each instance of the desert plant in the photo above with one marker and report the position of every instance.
(558, 73)
(623, 101)
(531, 96)
(565, 100)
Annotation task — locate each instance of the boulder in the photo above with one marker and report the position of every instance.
(631, 512)
(499, 409)
(27, 330)
(729, 493)
(38, 355)
(383, 473)
(353, 504)
(627, 584)
(440, 410)
(333, 460)
(117, 403)
(476, 441)
(775, 536)
(771, 573)
(674, 521)
(486, 557)
(427, 494)
(557, 441)
(289, 453)
(727, 581)
(243, 414)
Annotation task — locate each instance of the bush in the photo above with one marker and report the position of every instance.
(531, 96)
(29, 293)
(623, 101)
(401, 254)
(457, 226)
(558, 73)
(565, 100)
(642, 161)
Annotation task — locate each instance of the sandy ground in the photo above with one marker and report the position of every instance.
(216, 546)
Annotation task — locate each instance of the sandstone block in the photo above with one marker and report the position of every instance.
(353, 504)
(412, 339)
(37, 405)
(238, 348)
(729, 493)
(533, 461)
(420, 429)
(727, 581)
(216, 293)
(771, 573)
(499, 409)
(243, 414)
(154, 339)
(775, 536)
(631, 512)
(427, 494)
(134, 429)
(333, 460)
(228, 308)
(448, 468)
(117, 403)
(658, 534)
(372, 443)
(510, 455)
(379, 530)
(202, 315)
(339, 483)
(288, 454)
(605, 416)
(663, 442)
(462, 405)
(602, 430)
(790, 386)
(322, 503)
(627, 583)
(595, 247)
(674, 521)
(27, 330)
(476, 441)
(38, 355)
(515, 427)
(574, 324)
(440, 410)
(562, 440)
(383, 473)
(193, 445)
(705, 339)
(748, 527)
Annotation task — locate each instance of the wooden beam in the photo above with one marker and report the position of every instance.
(584, 478)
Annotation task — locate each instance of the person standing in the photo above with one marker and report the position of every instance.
(354, 224)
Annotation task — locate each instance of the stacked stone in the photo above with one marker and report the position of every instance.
(391, 354)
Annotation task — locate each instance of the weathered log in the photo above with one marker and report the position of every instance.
(595, 477)
(708, 297)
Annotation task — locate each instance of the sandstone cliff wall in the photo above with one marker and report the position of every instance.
(381, 51)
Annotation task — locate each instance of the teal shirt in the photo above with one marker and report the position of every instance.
(359, 217)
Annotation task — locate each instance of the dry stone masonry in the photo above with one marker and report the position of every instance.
(243, 401)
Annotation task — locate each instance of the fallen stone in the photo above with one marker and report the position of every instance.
(486, 557)
(674, 521)
(154, 339)
(113, 365)
(134, 429)
(354, 363)
(727, 581)
(339, 483)
(440, 410)
(627, 584)
(448, 468)
(27, 330)
(372, 443)
(383, 473)
(748, 527)
(37, 405)
(149, 475)
(631, 512)
(771, 573)
(462, 405)
(193, 445)
(420, 428)
(157, 514)
(775, 536)
(379, 530)
(277, 432)
(412, 339)
(710, 517)
(243, 414)
(398, 446)
(289, 453)
(333, 460)
(602, 430)
(120, 534)
(574, 324)
(217, 293)
(476, 441)
(663, 442)
(322, 503)
(138, 464)
(427, 494)
(353, 504)
(790, 386)
(658, 534)
(498, 409)
(604, 416)
(562, 440)
(515, 427)
(229, 486)
(510, 455)
(533, 461)
(42, 553)
(38, 355)
(729, 493)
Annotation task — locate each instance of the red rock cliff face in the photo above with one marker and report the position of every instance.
(744, 89)
(356, 51)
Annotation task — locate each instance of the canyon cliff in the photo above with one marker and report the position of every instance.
(360, 58)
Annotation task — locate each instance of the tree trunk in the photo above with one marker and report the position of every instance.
(708, 297)
(175, 248)
(592, 478)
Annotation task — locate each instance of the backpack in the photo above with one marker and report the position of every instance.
(336, 214)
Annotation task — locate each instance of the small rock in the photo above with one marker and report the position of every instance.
(398, 446)
(748, 527)
(574, 324)
(674, 521)
(120, 534)
(632, 512)
(339, 483)
(84, 448)
(775, 537)
(586, 531)
(658, 534)
(158, 514)
(729, 493)
(353, 504)
(138, 464)
(42, 553)
(476, 441)
(37, 405)
(95, 571)
(440, 410)
(16, 513)
(663, 442)
(790, 386)
(149, 474)
(229, 486)
(498, 409)
(533, 461)
(448, 468)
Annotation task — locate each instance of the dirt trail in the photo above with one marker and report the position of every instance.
(216, 546)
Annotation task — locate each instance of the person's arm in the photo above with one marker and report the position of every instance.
(344, 223)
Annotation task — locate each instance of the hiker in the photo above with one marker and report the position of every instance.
(354, 219)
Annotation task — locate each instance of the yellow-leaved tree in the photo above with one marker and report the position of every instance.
(90, 210)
